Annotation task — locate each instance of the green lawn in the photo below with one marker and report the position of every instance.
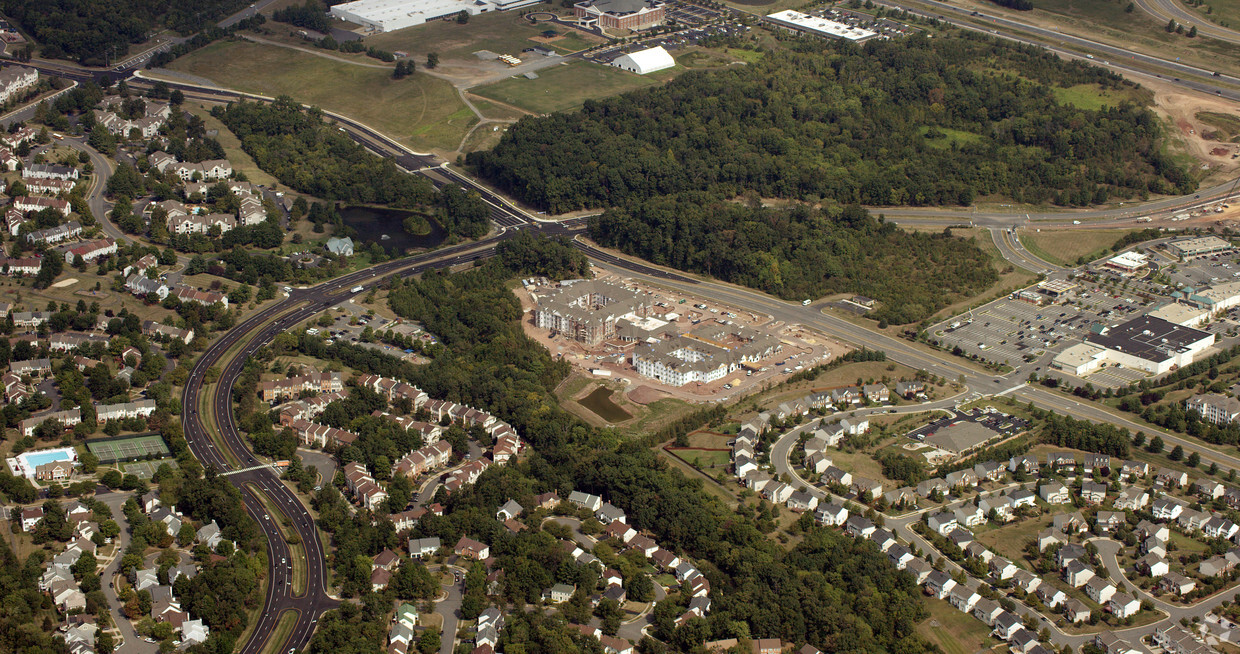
(954, 632)
(421, 111)
(1065, 246)
(708, 461)
(500, 32)
(1094, 97)
(566, 87)
(948, 136)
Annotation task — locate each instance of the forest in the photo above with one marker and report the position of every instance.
(94, 32)
(829, 590)
(800, 252)
(304, 152)
(310, 155)
(914, 121)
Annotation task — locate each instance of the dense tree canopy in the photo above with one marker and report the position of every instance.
(801, 252)
(307, 154)
(831, 591)
(914, 121)
(94, 31)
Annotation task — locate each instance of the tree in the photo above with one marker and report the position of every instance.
(1194, 460)
(462, 17)
(430, 641)
(111, 479)
(432, 59)
(88, 462)
(1171, 25)
(1156, 444)
(1192, 32)
(1177, 453)
(639, 588)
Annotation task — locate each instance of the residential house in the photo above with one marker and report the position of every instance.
(1132, 498)
(1122, 605)
(1054, 493)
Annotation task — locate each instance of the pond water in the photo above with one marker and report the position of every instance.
(373, 224)
(599, 401)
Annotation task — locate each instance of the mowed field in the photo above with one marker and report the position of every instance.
(501, 33)
(422, 111)
(954, 632)
(568, 86)
(1065, 246)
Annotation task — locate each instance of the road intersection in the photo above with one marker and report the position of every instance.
(263, 326)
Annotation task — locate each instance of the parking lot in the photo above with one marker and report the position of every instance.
(989, 417)
(1009, 331)
(691, 15)
(885, 27)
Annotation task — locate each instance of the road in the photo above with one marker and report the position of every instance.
(260, 328)
(1011, 249)
(1171, 9)
(133, 643)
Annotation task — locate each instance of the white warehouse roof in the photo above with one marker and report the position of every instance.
(820, 26)
(645, 61)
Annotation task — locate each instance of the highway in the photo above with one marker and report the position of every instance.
(260, 328)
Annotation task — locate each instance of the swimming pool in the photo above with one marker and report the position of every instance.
(28, 461)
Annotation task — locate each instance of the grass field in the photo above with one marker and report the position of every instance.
(709, 461)
(1221, 12)
(948, 137)
(1065, 246)
(954, 632)
(421, 111)
(232, 146)
(1094, 97)
(500, 32)
(564, 87)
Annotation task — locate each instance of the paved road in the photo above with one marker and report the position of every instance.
(1171, 9)
(133, 643)
(1011, 249)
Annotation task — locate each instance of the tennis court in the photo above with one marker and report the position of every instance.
(129, 448)
(146, 469)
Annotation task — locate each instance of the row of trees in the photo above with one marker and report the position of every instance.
(901, 122)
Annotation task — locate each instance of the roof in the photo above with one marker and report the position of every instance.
(648, 60)
(1149, 338)
(961, 436)
(619, 7)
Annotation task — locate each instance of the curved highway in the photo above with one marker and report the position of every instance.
(1173, 10)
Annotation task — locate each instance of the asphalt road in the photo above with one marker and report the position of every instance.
(1170, 9)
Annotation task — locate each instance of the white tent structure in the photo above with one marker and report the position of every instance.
(645, 61)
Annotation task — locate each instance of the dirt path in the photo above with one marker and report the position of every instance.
(318, 53)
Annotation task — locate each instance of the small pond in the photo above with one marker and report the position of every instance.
(599, 401)
(386, 227)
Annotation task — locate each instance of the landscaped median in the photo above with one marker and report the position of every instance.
(297, 550)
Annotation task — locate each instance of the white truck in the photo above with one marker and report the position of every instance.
(357, 289)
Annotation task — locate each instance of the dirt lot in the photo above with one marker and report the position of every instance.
(1180, 110)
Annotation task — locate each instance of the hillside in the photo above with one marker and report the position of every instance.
(916, 121)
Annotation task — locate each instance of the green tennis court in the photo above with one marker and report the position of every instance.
(128, 448)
